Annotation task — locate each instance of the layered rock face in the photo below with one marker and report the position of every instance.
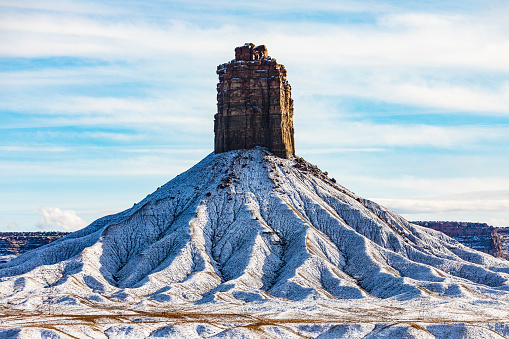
(14, 243)
(254, 104)
(479, 236)
(503, 234)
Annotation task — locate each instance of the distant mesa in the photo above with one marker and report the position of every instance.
(254, 104)
(14, 243)
(479, 236)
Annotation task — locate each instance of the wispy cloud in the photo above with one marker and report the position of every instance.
(472, 98)
(340, 150)
(490, 208)
(450, 188)
(116, 166)
(412, 206)
(87, 37)
(487, 203)
(152, 113)
(366, 134)
(473, 42)
(113, 136)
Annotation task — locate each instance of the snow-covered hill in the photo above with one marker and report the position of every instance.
(247, 233)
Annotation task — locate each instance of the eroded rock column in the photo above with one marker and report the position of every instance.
(254, 104)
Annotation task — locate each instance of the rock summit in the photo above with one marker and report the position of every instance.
(254, 104)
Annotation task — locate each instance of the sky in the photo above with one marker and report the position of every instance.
(403, 102)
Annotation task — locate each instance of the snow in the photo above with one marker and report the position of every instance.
(246, 244)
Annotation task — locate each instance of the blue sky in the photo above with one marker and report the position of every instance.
(403, 102)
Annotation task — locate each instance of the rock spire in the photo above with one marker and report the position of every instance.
(254, 104)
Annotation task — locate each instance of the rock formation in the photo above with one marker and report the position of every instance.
(14, 243)
(254, 104)
(479, 236)
(503, 234)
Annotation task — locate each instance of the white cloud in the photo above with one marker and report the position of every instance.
(416, 39)
(340, 150)
(70, 35)
(83, 75)
(418, 20)
(166, 150)
(152, 113)
(117, 165)
(54, 217)
(453, 97)
(398, 60)
(113, 136)
(484, 195)
(431, 88)
(483, 206)
(411, 187)
(334, 133)
(418, 206)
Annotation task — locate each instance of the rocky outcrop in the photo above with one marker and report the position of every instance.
(14, 243)
(254, 104)
(479, 236)
(503, 235)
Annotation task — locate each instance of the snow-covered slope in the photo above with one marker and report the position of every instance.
(248, 228)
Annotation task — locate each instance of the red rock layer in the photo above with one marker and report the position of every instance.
(14, 243)
(479, 236)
